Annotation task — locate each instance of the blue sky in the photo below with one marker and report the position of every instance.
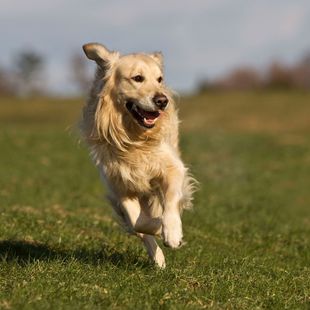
(198, 38)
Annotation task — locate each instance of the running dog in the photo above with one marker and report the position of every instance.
(130, 124)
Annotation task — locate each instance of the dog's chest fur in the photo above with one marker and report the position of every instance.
(138, 171)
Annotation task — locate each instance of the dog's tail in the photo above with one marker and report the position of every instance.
(190, 186)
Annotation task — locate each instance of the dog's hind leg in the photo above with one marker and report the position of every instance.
(154, 251)
(138, 219)
(145, 228)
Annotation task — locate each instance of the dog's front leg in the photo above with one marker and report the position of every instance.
(171, 220)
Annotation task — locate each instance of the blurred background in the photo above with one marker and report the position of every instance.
(207, 44)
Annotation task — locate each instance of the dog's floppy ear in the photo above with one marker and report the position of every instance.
(158, 57)
(100, 54)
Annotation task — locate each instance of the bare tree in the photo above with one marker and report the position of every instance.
(6, 83)
(80, 74)
(242, 78)
(301, 73)
(279, 76)
(29, 68)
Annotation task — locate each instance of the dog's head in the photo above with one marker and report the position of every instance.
(137, 83)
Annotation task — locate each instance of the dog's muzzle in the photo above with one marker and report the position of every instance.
(145, 118)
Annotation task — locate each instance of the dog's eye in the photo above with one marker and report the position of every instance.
(138, 78)
(159, 80)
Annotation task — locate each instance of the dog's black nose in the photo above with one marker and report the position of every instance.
(160, 100)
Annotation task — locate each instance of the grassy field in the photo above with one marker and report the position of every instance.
(247, 238)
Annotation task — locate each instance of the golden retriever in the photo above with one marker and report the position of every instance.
(130, 124)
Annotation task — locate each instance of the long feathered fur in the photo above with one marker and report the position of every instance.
(125, 153)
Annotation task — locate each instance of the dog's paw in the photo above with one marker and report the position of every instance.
(159, 259)
(172, 230)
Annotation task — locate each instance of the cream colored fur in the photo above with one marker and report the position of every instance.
(148, 183)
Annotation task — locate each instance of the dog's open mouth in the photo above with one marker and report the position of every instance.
(145, 118)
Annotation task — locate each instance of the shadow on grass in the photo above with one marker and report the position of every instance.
(25, 252)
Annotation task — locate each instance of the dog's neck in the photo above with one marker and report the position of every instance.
(125, 139)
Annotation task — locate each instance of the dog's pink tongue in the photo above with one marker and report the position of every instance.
(149, 121)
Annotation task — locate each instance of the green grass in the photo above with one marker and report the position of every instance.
(248, 235)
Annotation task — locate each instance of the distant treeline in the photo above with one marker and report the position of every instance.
(26, 76)
(276, 76)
